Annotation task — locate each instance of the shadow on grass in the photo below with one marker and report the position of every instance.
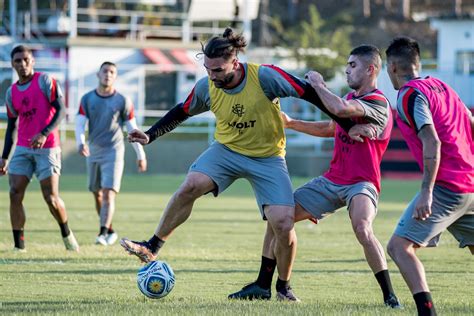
(337, 261)
(48, 306)
(81, 272)
(35, 261)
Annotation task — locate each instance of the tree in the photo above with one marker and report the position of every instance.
(316, 46)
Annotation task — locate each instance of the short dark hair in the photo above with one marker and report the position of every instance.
(226, 46)
(405, 50)
(20, 49)
(370, 53)
(107, 63)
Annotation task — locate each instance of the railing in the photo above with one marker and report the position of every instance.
(134, 25)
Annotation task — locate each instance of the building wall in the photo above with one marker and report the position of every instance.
(453, 36)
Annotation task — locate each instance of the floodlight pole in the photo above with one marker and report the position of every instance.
(73, 18)
(247, 27)
(13, 10)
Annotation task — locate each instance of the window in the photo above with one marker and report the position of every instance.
(465, 62)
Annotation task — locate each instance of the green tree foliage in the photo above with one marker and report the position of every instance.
(315, 45)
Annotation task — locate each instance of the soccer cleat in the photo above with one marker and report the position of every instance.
(251, 292)
(287, 295)
(101, 240)
(141, 249)
(70, 242)
(19, 250)
(392, 302)
(111, 238)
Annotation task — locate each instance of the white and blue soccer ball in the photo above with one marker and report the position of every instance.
(155, 279)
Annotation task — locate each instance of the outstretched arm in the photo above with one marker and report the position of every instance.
(277, 83)
(319, 129)
(166, 124)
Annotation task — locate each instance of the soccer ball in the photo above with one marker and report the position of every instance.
(155, 279)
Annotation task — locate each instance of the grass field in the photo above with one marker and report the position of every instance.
(215, 252)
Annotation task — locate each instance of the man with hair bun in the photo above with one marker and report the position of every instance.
(249, 143)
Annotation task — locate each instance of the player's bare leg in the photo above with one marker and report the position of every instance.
(18, 185)
(281, 219)
(107, 209)
(50, 190)
(403, 252)
(362, 212)
(98, 201)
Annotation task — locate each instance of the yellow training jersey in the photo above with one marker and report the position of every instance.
(248, 122)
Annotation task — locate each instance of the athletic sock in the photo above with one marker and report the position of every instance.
(64, 229)
(383, 278)
(19, 238)
(424, 304)
(155, 244)
(103, 230)
(282, 285)
(265, 276)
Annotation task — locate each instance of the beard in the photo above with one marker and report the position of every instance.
(224, 82)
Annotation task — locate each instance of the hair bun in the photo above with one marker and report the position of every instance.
(227, 33)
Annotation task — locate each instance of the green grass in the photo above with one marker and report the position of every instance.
(213, 254)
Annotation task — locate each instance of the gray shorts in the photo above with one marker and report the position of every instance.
(321, 197)
(268, 176)
(105, 173)
(452, 211)
(43, 162)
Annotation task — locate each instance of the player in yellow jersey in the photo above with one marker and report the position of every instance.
(249, 143)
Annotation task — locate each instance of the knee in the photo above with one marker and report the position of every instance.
(108, 196)
(189, 190)
(282, 224)
(394, 249)
(364, 233)
(16, 195)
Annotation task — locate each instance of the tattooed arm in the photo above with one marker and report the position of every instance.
(431, 160)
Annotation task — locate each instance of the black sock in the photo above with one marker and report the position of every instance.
(110, 230)
(103, 230)
(155, 244)
(265, 276)
(19, 238)
(64, 229)
(281, 285)
(385, 284)
(424, 304)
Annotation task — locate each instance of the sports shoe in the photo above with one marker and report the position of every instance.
(111, 238)
(392, 302)
(101, 240)
(287, 295)
(70, 242)
(19, 250)
(251, 292)
(141, 249)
